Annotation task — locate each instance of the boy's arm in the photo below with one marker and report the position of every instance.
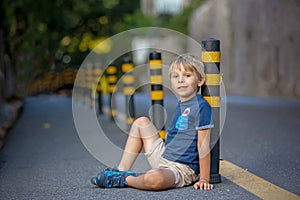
(204, 158)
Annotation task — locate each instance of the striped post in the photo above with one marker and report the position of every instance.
(85, 89)
(97, 74)
(82, 83)
(128, 89)
(111, 75)
(157, 93)
(90, 86)
(211, 92)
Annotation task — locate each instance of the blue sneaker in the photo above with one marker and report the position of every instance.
(111, 178)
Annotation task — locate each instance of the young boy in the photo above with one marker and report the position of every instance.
(185, 153)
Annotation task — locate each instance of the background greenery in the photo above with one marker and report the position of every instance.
(51, 35)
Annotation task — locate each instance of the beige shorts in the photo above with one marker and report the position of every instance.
(184, 175)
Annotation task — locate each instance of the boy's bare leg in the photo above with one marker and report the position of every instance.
(142, 134)
(155, 179)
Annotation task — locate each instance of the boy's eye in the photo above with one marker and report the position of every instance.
(188, 75)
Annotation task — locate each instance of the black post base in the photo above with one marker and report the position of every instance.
(215, 178)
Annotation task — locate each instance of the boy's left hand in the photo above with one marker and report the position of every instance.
(203, 185)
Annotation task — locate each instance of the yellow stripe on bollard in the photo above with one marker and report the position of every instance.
(155, 64)
(214, 101)
(97, 71)
(157, 95)
(128, 79)
(129, 120)
(213, 79)
(111, 70)
(156, 79)
(113, 112)
(111, 79)
(127, 67)
(162, 134)
(128, 90)
(210, 56)
(111, 88)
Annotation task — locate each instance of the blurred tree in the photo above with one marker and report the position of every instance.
(2, 53)
(7, 71)
(55, 34)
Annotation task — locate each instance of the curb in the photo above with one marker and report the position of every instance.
(17, 107)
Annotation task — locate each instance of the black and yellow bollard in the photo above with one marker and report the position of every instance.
(97, 73)
(128, 89)
(211, 92)
(86, 87)
(82, 83)
(90, 89)
(157, 93)
(112, 77)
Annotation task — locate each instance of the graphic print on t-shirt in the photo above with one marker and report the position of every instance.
(182, 121)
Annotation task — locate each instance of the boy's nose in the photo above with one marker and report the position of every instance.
(180, 79)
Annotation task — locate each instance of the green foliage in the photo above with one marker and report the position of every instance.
(54, 34)
(134, 20)
(179, 22)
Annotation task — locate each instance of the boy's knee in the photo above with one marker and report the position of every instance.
(153, 180)
(142, 121)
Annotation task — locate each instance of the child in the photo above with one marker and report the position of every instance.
(185, 153)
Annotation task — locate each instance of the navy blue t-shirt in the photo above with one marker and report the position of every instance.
(181, 142)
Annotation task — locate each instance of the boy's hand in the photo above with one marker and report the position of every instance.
(203, 185)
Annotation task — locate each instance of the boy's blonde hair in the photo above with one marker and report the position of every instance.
(189, 63)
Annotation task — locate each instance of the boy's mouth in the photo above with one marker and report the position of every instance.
(181, 87)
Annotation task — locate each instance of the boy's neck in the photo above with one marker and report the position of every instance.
(184, 100)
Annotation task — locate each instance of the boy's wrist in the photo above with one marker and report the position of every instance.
(203, 179)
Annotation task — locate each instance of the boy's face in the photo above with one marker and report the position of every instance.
(185, 83)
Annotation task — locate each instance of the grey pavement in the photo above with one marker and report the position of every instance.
(44, 158)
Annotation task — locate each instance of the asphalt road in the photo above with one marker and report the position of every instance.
(44, 158)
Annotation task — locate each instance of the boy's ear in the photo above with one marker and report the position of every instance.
(201, 82)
